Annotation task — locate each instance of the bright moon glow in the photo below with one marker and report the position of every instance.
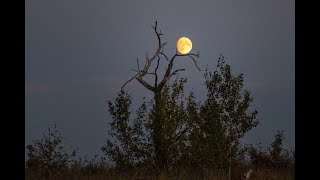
(184, 45)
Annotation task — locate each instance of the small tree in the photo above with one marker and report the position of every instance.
(231, 104)
(274, 157)
(217, 125)
(128, 145)
(46, 156)
(132, 144)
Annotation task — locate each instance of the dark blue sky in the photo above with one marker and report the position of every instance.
(80, 52)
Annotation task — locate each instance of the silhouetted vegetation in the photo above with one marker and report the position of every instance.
(274, 157)
(173, 135)
(194, 135)
(47, 157)
(271, 163)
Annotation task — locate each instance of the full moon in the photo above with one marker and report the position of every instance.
(184, 45)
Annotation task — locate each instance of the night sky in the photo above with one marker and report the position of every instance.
(79, 53)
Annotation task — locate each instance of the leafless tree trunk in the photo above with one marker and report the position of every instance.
(158, 85)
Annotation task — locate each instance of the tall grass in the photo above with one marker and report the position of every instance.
(104, 172)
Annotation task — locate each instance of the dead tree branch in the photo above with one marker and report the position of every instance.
(129, 81)
(141, 73)
(192, 56)
(164, 56)
(145, 71)
(175, 72)
(155, 73)
(138, 64)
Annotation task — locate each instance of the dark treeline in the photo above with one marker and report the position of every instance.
(178, 137)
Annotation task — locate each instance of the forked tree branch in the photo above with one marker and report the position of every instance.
(141, 73)
(192, 57)
(170, 65)
(145, 71)
(145, 84)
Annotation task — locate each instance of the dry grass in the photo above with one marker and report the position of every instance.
(261, 174)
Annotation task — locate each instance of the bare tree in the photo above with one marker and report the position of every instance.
(156, 88)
